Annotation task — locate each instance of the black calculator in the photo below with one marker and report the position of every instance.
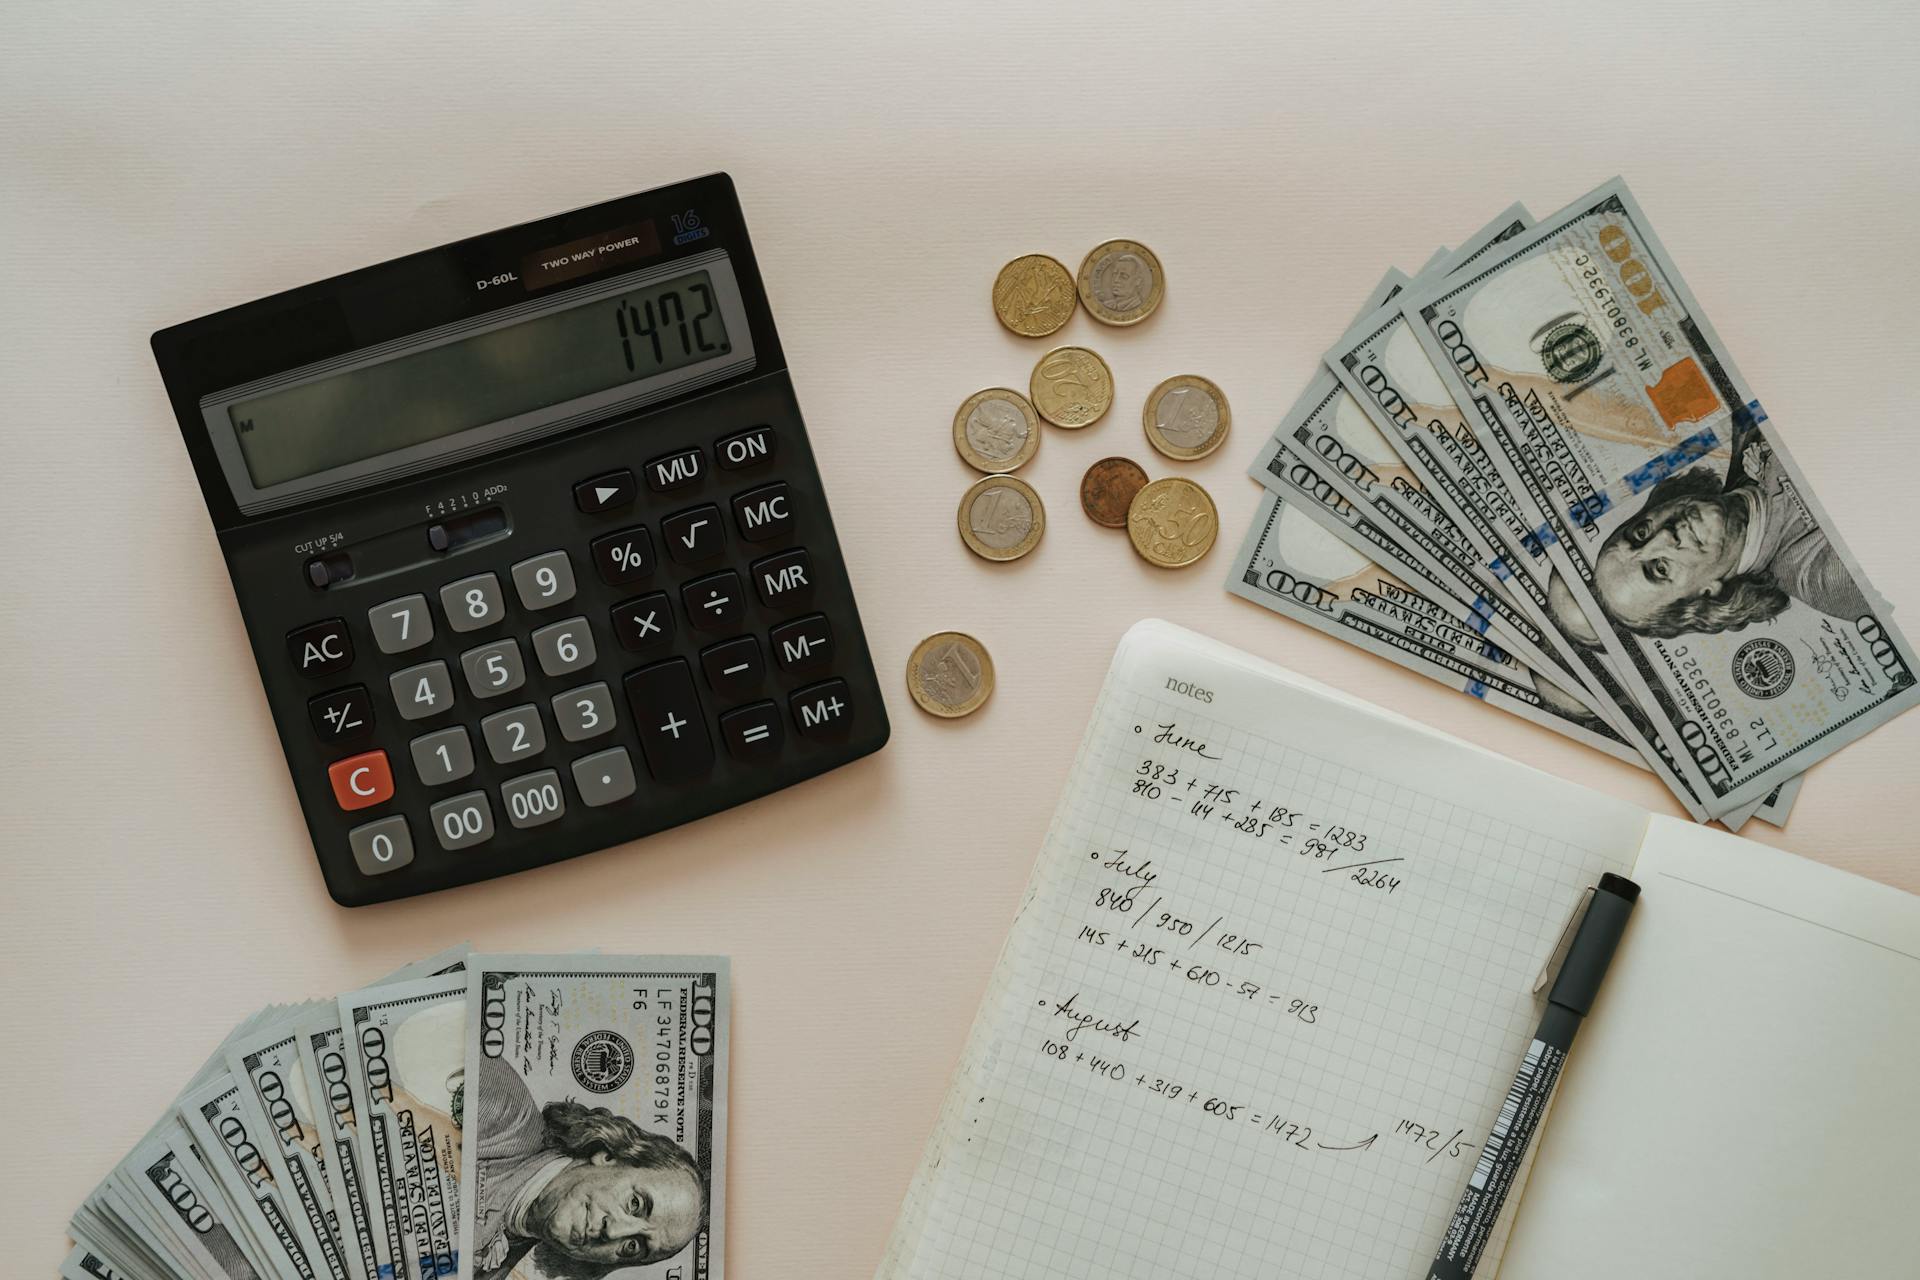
(529, 541)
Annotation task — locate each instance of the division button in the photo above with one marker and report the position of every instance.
(443, 756)
(675, 471)
(321, 648)
(716, 602)
(422, 691)
(667, 716)
(645, 623)
(784, 580)
(341, 715)
(383, 846)
(605, 777)
(361, 781)
(823, 710)
(605, 492)
(623, 557)
(474, 603)
(803, 644)
(534, 799)
(733, 667)
(694, 536)
(583, 713)
(764, 514)
(402, 624)
(745, 449)
(753, 732)
(462, 821)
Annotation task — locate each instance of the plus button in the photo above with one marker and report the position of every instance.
(673, 725)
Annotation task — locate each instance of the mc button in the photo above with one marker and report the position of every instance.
(763, 514)
(321, 648)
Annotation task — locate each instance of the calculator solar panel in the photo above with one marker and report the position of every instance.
(529, 541)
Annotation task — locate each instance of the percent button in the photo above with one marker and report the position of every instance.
(623, 557)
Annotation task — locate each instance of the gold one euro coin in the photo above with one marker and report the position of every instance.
(1033, 295)
(1071, 387)
(1172, 522)
(1186, 418)
(1120, 282)
(996, 430)
(950, 675)
(1001, 518)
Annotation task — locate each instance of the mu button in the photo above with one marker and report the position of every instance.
(822, 710)
(362, 780)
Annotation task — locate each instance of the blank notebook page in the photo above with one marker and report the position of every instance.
(1263, 994)
(1744, 1100)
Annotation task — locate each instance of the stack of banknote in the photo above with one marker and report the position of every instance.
(1533, 473)
(480, 1116)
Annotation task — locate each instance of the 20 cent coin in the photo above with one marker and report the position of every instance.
(1172, 522)
(1186, 417)
(1120, 282)
(1071, 387)
(1001, 518)
(950, 674)
(1033, 295)
(1107, 490)
(996, 430)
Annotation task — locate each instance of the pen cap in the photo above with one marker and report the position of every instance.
(1594, 943)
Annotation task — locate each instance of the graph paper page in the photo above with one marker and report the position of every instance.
(1263, 994)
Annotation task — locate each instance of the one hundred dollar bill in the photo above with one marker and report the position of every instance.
(1684, 542)
(1291, 564)
(596, 1113)
(235, 1146)
(173, 1181)
(88, 1262)
(404, 1044)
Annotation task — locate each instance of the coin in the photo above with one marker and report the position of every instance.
(1033, 295)
(1108, 488)
(996, 430)
(1172, 522)
(1120, 282)
(950, 674)
(1186, 417)
(1001, 518)
(1071, 387)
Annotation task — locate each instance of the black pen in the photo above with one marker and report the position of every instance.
(1568, 1002)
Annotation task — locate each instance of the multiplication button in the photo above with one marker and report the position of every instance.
(645, 623)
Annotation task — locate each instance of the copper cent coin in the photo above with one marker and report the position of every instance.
(1107, 490)
(950, 674)
(1033, 295)
(1001, 518)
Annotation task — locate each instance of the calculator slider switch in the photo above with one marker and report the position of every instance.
(462, 531)
(361, 781)
(605, 492)
(326, 571)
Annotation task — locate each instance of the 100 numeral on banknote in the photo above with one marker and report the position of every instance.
(1685, 542)
(595, 1118)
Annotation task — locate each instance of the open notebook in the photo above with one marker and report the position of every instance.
(1273, 973)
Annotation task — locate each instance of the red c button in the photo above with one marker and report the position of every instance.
(362, 780)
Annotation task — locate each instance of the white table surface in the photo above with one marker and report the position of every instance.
(158, 162)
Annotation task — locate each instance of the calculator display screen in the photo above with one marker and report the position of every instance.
(421, 396)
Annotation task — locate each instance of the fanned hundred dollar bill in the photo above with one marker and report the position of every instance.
(596, 1113)
(1683, 542)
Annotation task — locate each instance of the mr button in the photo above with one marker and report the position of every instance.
(785, 579)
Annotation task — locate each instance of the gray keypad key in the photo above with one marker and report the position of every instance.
(564, 647)
(514, 734)
(463, 821)
(586, 712)
(494, 669)
(604, 777)
(400, 625)
(473, 603)
(533, 799)
(422, 691)
(443, 756)
(544, 581)
(383, 846)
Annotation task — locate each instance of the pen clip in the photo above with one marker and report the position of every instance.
(1558, 953)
